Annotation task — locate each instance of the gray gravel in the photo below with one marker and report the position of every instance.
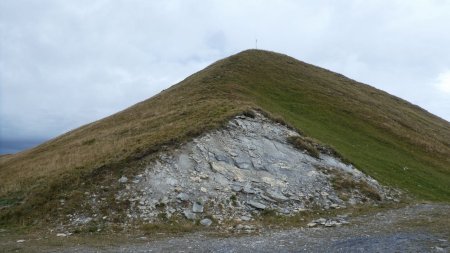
(417, 228)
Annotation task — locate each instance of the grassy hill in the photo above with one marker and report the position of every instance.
(392, 140)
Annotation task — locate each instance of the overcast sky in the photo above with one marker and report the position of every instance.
(67, 63)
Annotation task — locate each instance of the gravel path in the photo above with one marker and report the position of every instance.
(417, 228)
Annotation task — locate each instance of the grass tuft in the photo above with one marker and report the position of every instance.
(306, 144)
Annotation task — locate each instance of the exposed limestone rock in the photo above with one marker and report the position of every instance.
(243, 168)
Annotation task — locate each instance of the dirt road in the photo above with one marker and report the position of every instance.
(416, 228)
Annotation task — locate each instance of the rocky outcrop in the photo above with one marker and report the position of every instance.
(241, 170)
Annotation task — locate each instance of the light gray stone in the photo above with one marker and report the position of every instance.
(330, 223)
(245, 218)
(236, 188)
(123, 179)
(276, 195)
(311, 224)
(189, 215)
(256, 204)
(206, 222)
(197, 208)
(183, 196)
(320, 221)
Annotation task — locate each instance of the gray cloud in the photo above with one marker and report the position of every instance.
(67, 63)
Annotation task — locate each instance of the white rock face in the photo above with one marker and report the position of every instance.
(241, 169)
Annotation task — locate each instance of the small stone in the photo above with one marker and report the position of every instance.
(61, 235)
(334, 206)
(311, 224)
(245, 218)
(195, 179)
(20, 241)
(248, 189)
(276, 196)
(236, 188)
(164, 200)
(330, 223)
(183, 196)
(324, 193)
(197, 208)
(123, 180)
(248, 227)
(439, 249)
(256, 204)
(320, 221)
(189, 215)
(203, 189)
(206, 222)
(267, 198)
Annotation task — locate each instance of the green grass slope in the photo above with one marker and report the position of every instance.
(392, 140)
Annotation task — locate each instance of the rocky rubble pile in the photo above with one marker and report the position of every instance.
(331, 222)
(239, 171)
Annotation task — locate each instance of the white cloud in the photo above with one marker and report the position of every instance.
(443, 82)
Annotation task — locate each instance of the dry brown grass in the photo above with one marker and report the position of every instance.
(304, 143)
(346, 183)
(379, 133)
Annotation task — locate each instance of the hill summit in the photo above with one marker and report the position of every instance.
(391, 140)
